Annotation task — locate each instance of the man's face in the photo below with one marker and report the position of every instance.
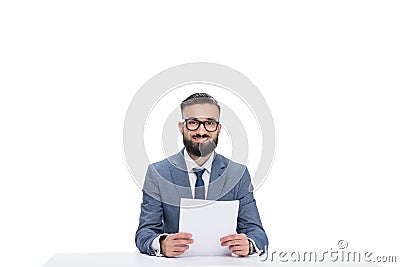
(200, 142)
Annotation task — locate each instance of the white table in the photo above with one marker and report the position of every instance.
(134, 259)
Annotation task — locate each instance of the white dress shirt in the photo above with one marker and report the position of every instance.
(191, 164)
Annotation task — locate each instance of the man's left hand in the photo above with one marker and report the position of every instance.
(238, 244)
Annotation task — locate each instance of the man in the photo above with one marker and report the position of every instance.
(196, 172)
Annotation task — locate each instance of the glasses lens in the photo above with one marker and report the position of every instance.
(192, 124)
(211, 126)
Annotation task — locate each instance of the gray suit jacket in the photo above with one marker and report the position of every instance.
(167, 182)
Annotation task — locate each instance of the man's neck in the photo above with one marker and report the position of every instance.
(200, 160)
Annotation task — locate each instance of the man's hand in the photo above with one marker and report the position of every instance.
(238, 244)
(175, 244)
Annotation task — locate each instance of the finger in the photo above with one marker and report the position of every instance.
(182, 241)
(236, 242)
(176, 253)
(233, 237)
(172, 254)
(227, 238)
(239, 249)
(180, 248)
(175, 250)
(181, 235)
(227, 243)
(240, 252)
(236, 250)
(236, 247)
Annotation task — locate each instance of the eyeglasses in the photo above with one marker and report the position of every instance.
(194, 124)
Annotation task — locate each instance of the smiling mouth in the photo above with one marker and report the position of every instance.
(200, 139)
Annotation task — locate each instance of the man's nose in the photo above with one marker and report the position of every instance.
(202, 129)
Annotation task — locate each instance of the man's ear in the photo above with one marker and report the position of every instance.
(180, 126)
(219, 128)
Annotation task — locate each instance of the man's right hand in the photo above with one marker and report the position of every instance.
(175, 244)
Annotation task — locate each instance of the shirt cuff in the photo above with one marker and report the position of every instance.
(256, 249)
(155, 245)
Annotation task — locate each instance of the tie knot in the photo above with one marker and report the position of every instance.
(198, 172)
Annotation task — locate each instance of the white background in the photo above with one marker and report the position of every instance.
(329, 71)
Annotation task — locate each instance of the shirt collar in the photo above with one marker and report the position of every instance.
(190, 163)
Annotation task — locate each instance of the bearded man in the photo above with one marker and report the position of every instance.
(197, 172)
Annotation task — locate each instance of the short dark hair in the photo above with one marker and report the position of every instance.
(199, 98)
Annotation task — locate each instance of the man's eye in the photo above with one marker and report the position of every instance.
(192, 122)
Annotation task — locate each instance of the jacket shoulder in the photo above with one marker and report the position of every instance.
(166, 163)
(230, 162)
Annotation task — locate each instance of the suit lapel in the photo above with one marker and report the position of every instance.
(217, 178)
(179, 175)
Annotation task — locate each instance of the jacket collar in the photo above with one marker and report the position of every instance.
(180, 177)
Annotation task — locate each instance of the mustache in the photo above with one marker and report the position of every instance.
(200, 136)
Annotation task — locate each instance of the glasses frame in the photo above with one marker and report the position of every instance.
(200, 123)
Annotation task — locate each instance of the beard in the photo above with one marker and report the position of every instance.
(200, 149)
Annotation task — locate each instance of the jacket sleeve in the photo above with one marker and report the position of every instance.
(249, 221)
(151, 215)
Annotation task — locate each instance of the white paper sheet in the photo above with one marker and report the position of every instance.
(208, 221)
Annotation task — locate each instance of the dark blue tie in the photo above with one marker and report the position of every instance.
(199, 190)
